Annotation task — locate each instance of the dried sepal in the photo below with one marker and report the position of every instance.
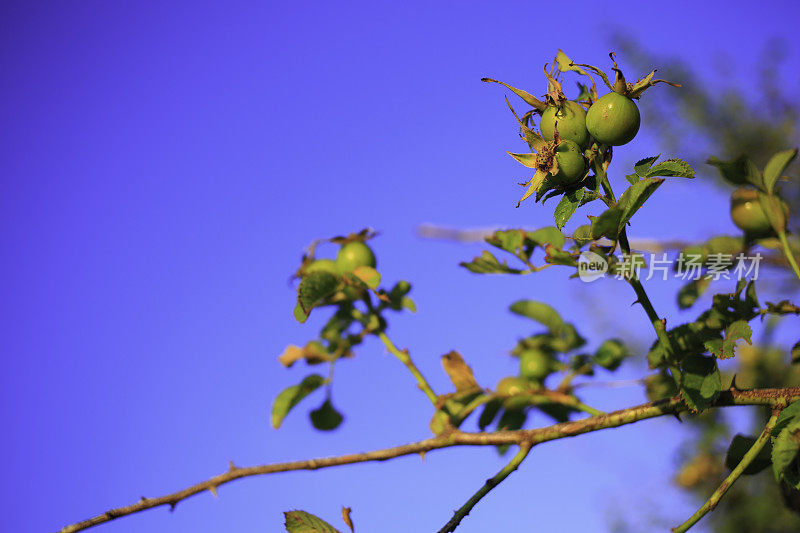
(528, 97)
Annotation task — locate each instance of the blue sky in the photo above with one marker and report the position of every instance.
(163, 166)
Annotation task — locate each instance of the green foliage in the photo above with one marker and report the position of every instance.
(303, 522)
(739, 446)
(291, 396)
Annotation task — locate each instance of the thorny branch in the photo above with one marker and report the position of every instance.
(531, 437)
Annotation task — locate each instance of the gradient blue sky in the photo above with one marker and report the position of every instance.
(164, 164)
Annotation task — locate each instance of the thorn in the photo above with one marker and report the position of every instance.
(422, 456)
(142, 499)
(733, 383)
(231, 466)
(678, 416)
(635, 302)
(213, 490)
(172, 506)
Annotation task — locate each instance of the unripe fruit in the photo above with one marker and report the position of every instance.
(613, 120)
(570, 120)
(353, 255)
(511, 386)
(321, 265)
(534, 364)
(748, 215)
(571, 164)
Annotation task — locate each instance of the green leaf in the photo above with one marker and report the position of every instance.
(725, 348)
(486, 263)
(671, 168)
(555, 256)
(303, 522)
(291, 396)
(300, 315)
(538, 311)
(489, 413)
(547, 235)
(785, 448)
(610, 354)
(689, 293)
(409, 304)
(511, 241)
(775, 167)
(740, 445)
(795, 354)
(368, 275)
(314, 288)
(567, 206)
(739, 171)
(607, 224)
(326, 417)
(701, 382)
(789, 414)
(634, 197)
(643, 165)
(774, 211)
(582, 235)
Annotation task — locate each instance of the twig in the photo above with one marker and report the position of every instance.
(487, 487)
(748, 458)
(767, 397)
(406, 360)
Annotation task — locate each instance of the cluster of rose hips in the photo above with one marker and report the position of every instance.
(572, 132)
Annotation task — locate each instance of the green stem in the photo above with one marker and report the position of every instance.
(748, 458)
(404, 358)
(491, 483)
(787, 251)
(658, 326)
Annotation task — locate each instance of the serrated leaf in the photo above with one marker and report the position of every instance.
(607, 224)
(632, 178)
(567, 206)
(701, 382)
(775, 167)
(486, 263)
(725, 348)
(368, 275)
(315, 287)
(643, 165)
(303, 522)
(538, 311)
(326, 417)
(785, 448)
(291, 396)
(671, 168)
(634, 197)
(790, 414)
(739, 446)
